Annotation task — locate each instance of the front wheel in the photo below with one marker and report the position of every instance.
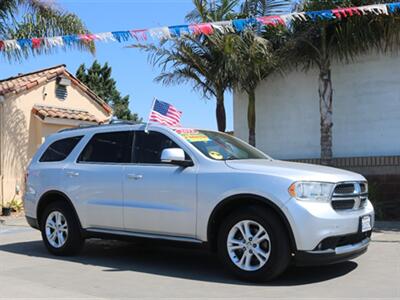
(253, 244)
(60, 229)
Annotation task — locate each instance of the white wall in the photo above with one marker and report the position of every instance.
(366, 111)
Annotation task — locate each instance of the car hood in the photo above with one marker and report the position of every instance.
(294, 171)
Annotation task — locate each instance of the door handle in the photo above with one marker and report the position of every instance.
(72, 174)
(134, 176)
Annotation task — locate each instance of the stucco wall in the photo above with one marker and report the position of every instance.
(23, 133)
(366, 111)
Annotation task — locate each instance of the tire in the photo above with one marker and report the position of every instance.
(273, 248)
(71, 241)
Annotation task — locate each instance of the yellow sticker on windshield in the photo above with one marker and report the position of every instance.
(215, 155)
(192, 136)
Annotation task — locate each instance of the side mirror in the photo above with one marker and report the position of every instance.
(175, 156)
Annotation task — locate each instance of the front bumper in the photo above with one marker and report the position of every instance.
(313, 222)
(340, 251)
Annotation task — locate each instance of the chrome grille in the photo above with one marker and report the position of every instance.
(349, 195)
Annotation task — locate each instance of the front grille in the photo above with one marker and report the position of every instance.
(350, 195)
(345, 188)
(344, 204)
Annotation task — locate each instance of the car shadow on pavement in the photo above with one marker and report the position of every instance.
(193, 264)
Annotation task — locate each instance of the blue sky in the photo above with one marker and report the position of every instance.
(134, 75)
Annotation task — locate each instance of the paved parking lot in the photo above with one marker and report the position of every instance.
(108, 269)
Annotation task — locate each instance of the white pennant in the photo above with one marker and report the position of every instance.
(294, 16)
(223, 26)
(11, 45)
(375, 9)
(160, 33)
(54, 41)
(105, 37)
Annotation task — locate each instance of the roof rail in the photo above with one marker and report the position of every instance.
(112, 123)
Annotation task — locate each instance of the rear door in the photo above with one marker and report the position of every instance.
(159, 198)
(95, 179)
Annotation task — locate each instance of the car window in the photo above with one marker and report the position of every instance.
(149, 146)
(220, 146)
(109, 147)
(59, 150)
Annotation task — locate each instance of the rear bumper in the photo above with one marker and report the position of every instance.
(32, 222)
(330, 256)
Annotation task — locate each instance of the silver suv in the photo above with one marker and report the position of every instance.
(195, 186)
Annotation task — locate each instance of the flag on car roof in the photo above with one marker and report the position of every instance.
(165, 114)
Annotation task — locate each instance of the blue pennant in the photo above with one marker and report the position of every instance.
(25, 43)
(122, 36)
(320, 15)
(242, 24)
(70, 39)
(177, 31)
(394, 7)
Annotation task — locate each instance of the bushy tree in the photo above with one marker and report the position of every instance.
(98, 79)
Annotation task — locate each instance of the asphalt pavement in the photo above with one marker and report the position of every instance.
(111, 269)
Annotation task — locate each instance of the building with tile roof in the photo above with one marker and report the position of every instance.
(33, 106)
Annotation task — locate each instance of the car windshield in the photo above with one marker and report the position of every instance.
(220, 146)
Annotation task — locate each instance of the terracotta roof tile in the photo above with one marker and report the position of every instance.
(63, 113)
(27, 81)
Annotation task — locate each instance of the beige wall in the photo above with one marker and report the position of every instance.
(23, 133)
(366, 111)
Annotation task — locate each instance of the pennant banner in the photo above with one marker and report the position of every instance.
(170, 32)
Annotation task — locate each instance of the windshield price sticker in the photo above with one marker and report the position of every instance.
(192, 135)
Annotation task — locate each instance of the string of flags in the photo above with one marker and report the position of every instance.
(170, 32)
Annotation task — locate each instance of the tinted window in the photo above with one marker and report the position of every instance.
(148, 146)
(110, 147)
(59, 150)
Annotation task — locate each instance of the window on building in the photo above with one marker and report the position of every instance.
(109, 147)
(59, 150)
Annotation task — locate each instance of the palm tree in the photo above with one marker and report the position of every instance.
(320, 42)
(39, 19)
(212, 11)
(269, 7)
(253, 60)
(200, 61)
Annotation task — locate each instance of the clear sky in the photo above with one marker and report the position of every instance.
(131, 70)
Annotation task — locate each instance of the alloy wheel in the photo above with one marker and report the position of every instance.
(248, 245)
(56, 229)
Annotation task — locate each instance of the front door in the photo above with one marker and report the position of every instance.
(159, 198)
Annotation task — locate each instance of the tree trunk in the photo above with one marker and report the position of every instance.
(251, 117)
(325, 106)
(220, 112)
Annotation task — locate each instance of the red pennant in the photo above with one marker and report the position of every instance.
(139, 34)
(205, 28)
(87, 37)
(1, 45)
(344, 12)
(271, 20)
(36, 42)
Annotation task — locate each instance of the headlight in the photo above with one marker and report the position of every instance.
(311, 191)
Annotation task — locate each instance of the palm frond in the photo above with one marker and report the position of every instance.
(39, 19)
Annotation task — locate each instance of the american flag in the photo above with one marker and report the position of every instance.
(165, 114)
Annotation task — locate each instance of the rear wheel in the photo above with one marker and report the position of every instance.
(60, 229)
(253, 244)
